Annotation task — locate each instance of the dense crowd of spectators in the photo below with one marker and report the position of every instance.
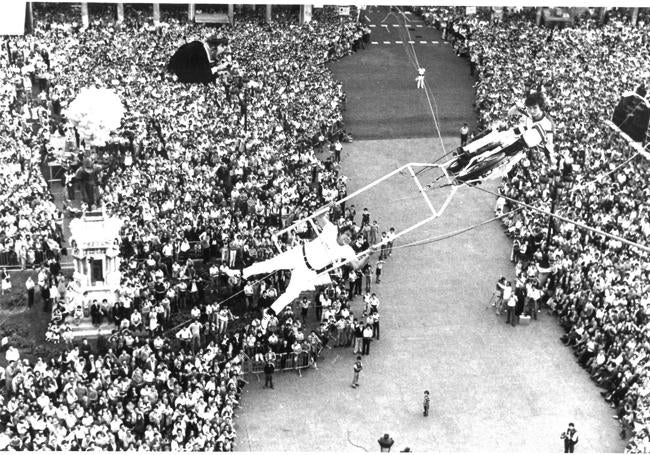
(248, 147)
(28, 218)
(598, 286)
(217, 168)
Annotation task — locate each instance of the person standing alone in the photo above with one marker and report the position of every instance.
(269, 369)
(570, 437)
(426, 403)
(30, 285)
(358, 366)
(464, 134)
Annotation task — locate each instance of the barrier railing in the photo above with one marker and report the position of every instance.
(283, 362)
(8, 259)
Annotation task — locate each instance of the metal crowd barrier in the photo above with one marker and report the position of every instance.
(283, 362)
(8, 259)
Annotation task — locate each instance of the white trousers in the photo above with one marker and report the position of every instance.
(302, 278)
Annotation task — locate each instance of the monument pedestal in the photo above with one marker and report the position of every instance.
(95, 253)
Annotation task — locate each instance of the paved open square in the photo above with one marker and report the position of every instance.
(494, 388)
(194, 201)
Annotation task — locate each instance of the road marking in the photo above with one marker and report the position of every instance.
(402, 42)
(384, 25)
(419, 25)
(373, 25)
(395, 25)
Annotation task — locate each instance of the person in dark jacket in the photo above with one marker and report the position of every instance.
(385, 443)
(269, 369)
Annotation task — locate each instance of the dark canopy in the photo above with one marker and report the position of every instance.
(632, 115)
(190, 63)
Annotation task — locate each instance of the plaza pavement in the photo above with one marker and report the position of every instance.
(494, 388)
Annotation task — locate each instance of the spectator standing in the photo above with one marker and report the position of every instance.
(427, 401)
(570, 437)
(304, 308)
(389, 244)
(464, 134)
(378, 268)
(195, 330)
(374, 314)
(5, 279)
(30, 285)
(357, 330)
(358, 366)
(367, 337)
(269, 369)
(367, 276)
(507, 293)
(510, 310)
(385, 443)
(337, 151)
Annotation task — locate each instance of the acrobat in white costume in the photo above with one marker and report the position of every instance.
(309, 262)
(420, 78)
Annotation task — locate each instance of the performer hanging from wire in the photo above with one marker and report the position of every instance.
(309, 261)
(420, 78)
(535, 117)
(494, 152)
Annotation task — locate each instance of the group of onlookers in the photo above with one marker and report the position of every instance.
(209, 171)
(597, 285)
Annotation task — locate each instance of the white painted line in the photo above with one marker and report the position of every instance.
(435, 42)
(411, 42)
(395, 25)
(398, 42)
(423, 42)
(374, 42)
(419, 26)
(386, 42)
(373, 25)
(384, 25)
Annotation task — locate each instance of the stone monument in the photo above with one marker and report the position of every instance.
(94, 242)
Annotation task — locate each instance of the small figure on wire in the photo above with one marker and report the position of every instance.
(310, 261)
(420, 78)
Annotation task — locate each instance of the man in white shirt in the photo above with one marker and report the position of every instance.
(308, 262)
